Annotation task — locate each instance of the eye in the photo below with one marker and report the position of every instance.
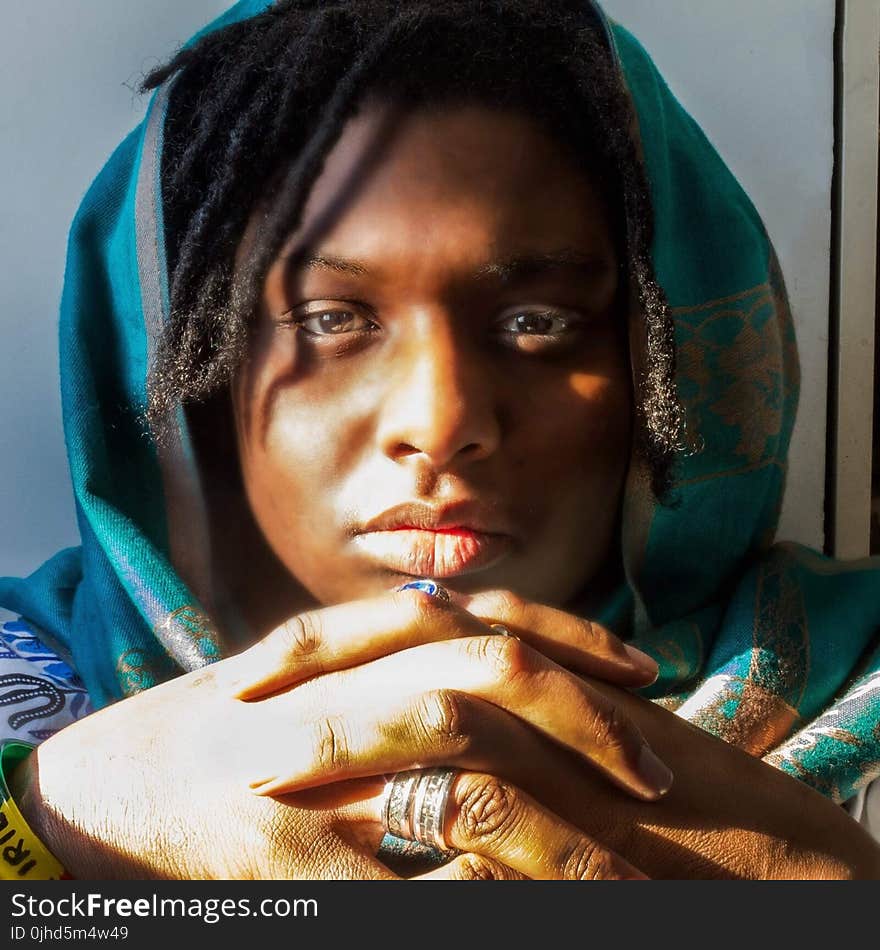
(538, 328)
(534, 321)
(333, 323)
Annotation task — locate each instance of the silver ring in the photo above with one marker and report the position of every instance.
(415, 805)
(429, 587)
(500, 628)
(398, 799)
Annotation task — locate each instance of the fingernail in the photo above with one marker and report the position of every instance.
(642, 660)
(500, 628)
(653, 772)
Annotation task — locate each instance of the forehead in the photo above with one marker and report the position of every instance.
(399, 178)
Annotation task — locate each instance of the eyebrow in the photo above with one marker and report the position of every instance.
(505, 270)
(523, 266)
(340, 265)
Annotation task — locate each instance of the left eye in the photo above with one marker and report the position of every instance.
(542, 323)
(333, 323)
(538, 323)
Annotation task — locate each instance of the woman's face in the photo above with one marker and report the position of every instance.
(437, 383)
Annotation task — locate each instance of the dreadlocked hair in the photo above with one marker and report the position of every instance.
(255, 108)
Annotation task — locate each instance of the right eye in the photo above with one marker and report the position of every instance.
(333, 323)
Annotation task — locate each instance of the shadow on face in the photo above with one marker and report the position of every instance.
(438, 381)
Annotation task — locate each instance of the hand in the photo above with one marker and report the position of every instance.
(505, 834)
(156, 786)
(729, 815)
(429, 699)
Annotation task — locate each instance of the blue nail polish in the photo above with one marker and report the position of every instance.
(428, 586)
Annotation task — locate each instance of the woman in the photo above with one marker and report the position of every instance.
(399, 290)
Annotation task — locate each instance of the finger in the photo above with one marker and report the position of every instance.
(503, 671)
(575, 642)
(441, 727)
(472, 867)
(490, 817)
(345, 635)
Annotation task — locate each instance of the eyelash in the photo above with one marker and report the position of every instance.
(572, 322)
(300, 322)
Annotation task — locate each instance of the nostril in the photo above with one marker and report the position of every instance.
(404, 449)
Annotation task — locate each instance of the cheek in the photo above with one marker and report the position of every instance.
(577, 427)
(286, 424)
(569, 469)
(603, 407)
(279, 445)
(292, 458)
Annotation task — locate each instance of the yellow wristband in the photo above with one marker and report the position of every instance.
(23, 857)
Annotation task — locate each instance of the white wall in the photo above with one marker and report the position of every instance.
(757, 76)
(68, 69)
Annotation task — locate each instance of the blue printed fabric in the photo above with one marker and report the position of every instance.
(39, 692)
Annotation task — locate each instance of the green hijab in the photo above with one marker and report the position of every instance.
(772, 647)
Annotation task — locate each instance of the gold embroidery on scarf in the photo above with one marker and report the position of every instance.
(672, 702)
(681, 655)
(758, 711)
(718, 301)
(194, 621)
(760, 718)
(786, 758)
(736, 381)
(191, 630)
(780, 636)
(767, 463)
(790, 755)
(136, 672)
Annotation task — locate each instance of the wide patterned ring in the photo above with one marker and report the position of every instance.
(415, 804)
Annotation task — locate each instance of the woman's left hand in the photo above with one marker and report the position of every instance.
(728, 815)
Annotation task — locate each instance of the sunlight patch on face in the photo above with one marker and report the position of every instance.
(587, 385)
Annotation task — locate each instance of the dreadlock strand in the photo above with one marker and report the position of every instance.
(302, 175)
(244, 84)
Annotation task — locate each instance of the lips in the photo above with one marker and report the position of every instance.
(436, 542)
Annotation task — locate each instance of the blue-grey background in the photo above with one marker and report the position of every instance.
(756, 75)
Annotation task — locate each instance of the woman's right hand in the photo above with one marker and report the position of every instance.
(157, 785)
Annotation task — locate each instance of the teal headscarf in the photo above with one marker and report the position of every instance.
(772, 647)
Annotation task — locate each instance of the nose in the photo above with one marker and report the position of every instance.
(440, 403)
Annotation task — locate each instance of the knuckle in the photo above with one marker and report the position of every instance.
(422, 610)
(489, 810)
(301, 635)
(610, 728)
(474, 867)
(505, 657)
(584, 860)
(511, 602)
(330, 751)
(442, 715)
(594, 637)
(505, 603)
